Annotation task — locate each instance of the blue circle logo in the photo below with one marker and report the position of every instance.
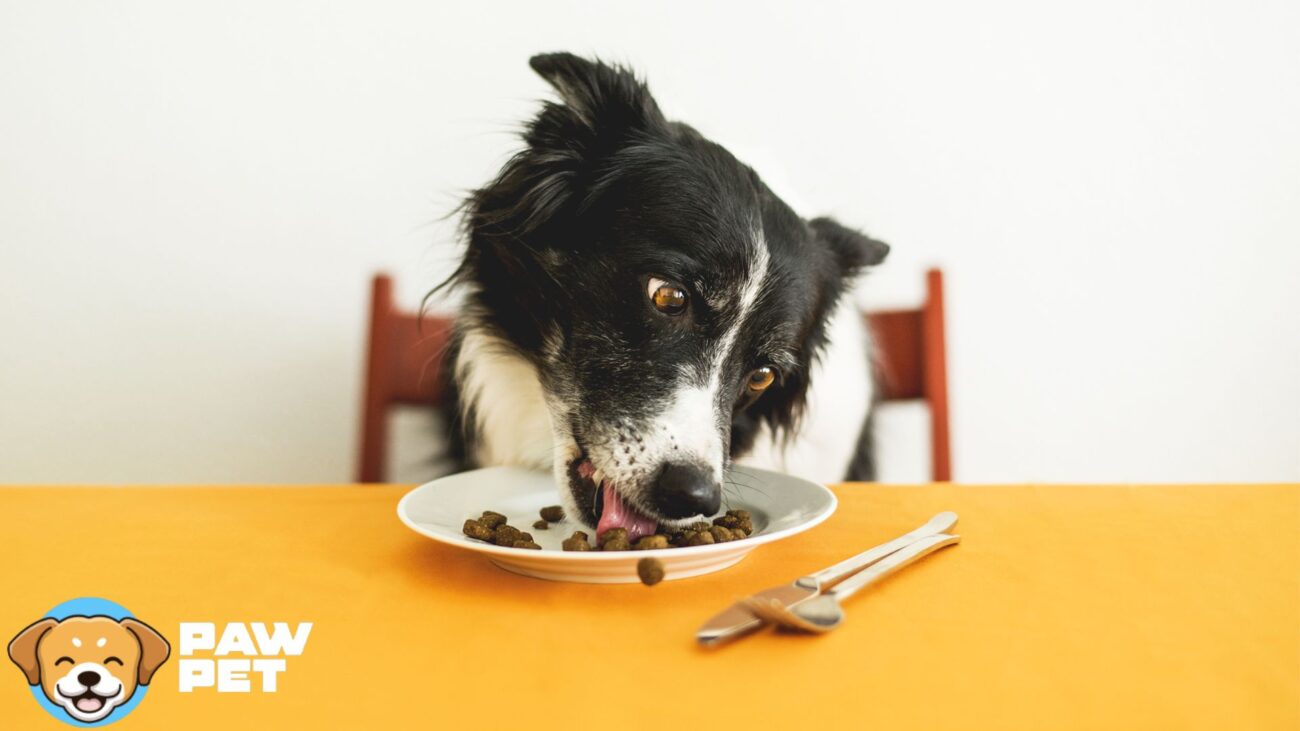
(89, 661)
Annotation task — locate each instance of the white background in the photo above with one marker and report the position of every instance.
(192, 200)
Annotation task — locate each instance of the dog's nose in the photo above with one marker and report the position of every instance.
(88, 678)
(685, 489)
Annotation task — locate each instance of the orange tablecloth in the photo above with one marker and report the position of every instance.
(1064, 607)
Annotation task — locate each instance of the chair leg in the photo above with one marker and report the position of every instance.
(935, 362)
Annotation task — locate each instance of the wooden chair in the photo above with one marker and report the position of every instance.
(405, 349)
(404, 354)
(912, 363)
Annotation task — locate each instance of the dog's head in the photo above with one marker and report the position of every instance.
(89, 665)
(669, 300)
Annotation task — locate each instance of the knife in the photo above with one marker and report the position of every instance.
(736, 620)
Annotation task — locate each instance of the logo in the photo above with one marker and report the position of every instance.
(239, 655)
(89, 661)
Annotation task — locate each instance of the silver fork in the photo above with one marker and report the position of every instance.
(738, 620)
(823, 613)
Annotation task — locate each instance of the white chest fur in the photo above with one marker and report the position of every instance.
(512, 423)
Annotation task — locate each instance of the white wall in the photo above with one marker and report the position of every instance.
(192, 199)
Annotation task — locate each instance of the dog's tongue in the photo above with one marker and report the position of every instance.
(89, 704)
(618, 514)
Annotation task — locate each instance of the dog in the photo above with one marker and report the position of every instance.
(89, 666)
(640, 310)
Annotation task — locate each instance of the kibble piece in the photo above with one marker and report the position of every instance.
(700, 526)
(720, 534)
(526, 544)
(612, 534)
(525, 536)
(540, 525)
(506, 535)
(650, 570)
(615, 543)
(492, 520)
(576, 542)
(580, 534)
(646, 543)
(734, 522)
(552, 513)
(475, 529)
(699, 538)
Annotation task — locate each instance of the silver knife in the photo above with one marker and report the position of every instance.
(736, 620)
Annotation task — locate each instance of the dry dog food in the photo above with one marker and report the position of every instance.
(614, 539)
(650, 570)
(477, 529)
(493, 528)
(698, 538)
(576, 542)
(647, 543)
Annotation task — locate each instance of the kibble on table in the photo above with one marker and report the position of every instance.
(650, 571)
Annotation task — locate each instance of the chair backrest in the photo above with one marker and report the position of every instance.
(405, 353)
(912, 364)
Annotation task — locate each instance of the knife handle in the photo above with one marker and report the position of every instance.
(849, 566)
(891, 563)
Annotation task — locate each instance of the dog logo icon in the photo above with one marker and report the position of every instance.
(89, 661)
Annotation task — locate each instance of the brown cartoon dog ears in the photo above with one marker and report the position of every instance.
(22, 649)
(154, 649)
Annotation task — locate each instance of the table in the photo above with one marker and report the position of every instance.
(1088, 607)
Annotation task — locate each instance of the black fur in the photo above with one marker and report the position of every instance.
(607, 192)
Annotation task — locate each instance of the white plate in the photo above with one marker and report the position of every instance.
(780, 506)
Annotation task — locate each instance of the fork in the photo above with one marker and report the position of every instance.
(824, 613)
(738, 620)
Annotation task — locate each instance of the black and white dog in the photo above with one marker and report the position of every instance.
(640, 310)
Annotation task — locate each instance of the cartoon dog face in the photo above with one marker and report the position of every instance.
(89, 665)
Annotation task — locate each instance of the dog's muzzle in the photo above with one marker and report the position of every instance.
(680, 490)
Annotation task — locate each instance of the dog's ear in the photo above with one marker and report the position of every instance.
(154, 649)
(853, 250)
(609, 100)
(22, 648)
(603, 108)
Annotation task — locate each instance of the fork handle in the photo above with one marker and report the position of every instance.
(842, 570)
(891, 563)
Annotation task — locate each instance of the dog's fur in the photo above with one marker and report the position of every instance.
(559, 355)
(89, 666)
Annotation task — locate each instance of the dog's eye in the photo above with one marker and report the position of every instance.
(667, 298)
(113, 658)
(761, 378)
(62, 660)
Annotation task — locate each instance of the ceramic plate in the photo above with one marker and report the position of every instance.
(780, 506)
